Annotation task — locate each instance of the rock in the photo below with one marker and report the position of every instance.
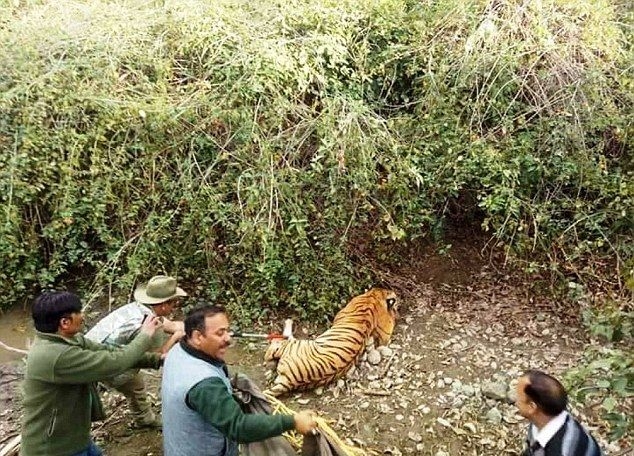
(468, 390)
(424, 409)
(444, 422)
(494, 416)
(385, 351)
(495, 390)
(414, 436)
(511, 396)
(374, 357)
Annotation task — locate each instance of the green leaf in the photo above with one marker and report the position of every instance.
(609, 403)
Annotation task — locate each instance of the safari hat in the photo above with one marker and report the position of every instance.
(158, 290)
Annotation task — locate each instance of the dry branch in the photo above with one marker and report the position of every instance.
(13, 349)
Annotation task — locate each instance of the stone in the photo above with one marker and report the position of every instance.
(494, 416)
(374, 357)
(511, 396)
(468, 390)
(495, 390)
(414, 436)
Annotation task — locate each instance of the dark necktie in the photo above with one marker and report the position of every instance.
(537, 449)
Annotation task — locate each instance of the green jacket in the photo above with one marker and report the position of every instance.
(217, 407)
(58, 389)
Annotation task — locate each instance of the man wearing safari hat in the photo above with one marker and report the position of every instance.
(158, 297)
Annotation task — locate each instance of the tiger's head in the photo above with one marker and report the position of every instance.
(385, 314)
(377, 309)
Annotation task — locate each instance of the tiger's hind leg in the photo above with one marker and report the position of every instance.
(275, 350)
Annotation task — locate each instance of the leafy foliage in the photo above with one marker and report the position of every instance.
(606, 374)
(264, 146)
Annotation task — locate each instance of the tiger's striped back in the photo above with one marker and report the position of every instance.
(306, 364)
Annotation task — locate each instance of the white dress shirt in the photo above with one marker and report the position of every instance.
(546, 433)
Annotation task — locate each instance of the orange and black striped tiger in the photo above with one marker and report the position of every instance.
(306, 364)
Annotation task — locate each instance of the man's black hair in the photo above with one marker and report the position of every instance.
(547, 392)
(195, 319)
(49, 308)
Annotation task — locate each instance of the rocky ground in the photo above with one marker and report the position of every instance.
(443, 386)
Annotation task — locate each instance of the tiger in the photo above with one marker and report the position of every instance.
(307, 364)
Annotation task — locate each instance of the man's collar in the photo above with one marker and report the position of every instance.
(145, 307)
(546, 433)
(57, 337)
(201, 355)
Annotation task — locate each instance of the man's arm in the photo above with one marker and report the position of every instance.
(174, 338)
(213, 402)
(149, 360)
(172, 327)
(92, 362)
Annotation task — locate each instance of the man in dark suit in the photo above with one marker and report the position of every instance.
(542, 400)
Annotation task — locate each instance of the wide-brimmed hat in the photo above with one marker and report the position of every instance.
(158, 290)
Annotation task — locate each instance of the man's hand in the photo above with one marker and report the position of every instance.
(171, 327)
(305, 421)
(150, 325)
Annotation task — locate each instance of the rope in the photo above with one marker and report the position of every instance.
(296, 439)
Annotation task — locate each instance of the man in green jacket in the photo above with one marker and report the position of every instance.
(59, 395)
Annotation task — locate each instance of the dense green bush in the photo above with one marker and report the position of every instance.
(605, 375)
(264, 146)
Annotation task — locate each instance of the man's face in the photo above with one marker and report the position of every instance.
(166, 308)
(72, 324)
(524, 403)
(215, 340)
